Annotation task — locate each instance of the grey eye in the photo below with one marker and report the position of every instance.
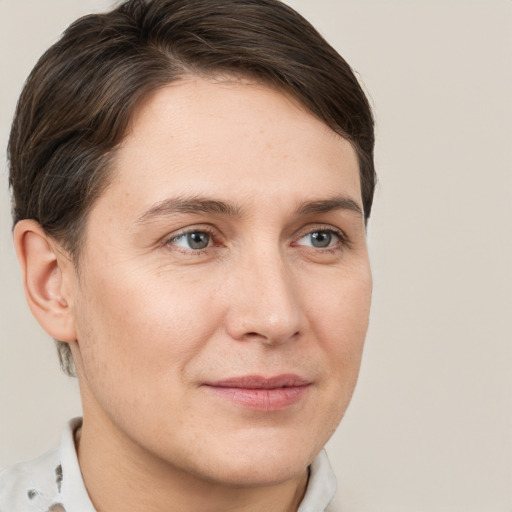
(321, 239)
(198, 240)
(195, 240)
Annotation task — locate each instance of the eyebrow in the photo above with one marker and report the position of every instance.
(176, 205)
(328, 205)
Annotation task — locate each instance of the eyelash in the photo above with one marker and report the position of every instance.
(197, 252)
(342, 243)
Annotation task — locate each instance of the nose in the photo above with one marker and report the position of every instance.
(264, 301)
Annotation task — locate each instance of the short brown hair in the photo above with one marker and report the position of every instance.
(78, 100)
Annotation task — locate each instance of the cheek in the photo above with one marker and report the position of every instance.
(146, 327)
(340, 306)
(339, 318)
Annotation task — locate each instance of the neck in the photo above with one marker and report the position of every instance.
(121, 477)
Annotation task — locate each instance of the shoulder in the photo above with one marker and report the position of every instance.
(50, 483)
(32, 486)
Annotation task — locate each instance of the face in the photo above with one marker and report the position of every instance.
(224, 285)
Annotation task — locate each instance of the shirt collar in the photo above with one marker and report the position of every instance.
(321, 485)
(73, 491)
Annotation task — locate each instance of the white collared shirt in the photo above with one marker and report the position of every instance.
(53, 482)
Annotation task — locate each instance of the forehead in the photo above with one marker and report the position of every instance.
(229, 138)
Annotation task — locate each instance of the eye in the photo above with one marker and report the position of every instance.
(194, 240)
(320, 239)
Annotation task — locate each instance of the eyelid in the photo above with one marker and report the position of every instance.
(202, 228)
(343, 238)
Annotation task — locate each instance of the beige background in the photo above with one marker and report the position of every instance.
(430, 426)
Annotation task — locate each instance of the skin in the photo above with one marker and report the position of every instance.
(151, 319)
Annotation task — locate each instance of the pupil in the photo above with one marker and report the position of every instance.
(198, 240)
(321, 239)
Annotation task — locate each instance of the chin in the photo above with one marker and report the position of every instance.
(261, 473)
(264, 460)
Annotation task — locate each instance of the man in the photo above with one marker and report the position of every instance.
(191, 185)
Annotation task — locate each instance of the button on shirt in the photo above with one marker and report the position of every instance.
(53, 482)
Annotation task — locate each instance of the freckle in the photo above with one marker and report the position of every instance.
(58, 473)
(32, 493)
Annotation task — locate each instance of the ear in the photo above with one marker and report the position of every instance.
(45, 271)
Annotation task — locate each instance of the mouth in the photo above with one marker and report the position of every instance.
(261, 393)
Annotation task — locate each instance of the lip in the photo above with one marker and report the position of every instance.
(259, 393)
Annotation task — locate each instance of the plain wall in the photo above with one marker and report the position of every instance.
(430, 425)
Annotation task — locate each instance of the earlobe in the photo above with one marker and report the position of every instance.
(43, 272)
